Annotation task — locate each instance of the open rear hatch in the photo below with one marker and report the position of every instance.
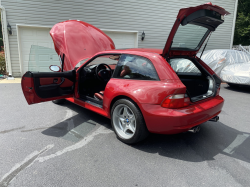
(191, 28)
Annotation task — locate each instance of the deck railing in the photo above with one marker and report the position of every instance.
(242, 48)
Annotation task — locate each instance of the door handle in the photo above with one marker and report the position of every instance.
(55, 80)
(62, 78)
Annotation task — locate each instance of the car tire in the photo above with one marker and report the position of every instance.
(58, 101)
(233, 85)
(128, 122)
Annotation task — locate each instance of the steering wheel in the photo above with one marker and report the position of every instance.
(102, 73)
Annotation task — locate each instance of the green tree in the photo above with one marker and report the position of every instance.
(242, 26)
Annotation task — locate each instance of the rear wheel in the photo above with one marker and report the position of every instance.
(233, 85)
(58, 101)
(128, 122)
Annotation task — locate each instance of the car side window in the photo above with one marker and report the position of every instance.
(41, 58)
(135, 67)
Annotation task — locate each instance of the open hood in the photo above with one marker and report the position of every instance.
(78, 40)
(191, 29)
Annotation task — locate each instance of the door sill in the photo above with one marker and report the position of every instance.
(91, 101)
(94, 104)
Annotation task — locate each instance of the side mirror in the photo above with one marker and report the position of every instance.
(55, 68)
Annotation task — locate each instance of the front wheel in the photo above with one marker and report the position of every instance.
(128, 122)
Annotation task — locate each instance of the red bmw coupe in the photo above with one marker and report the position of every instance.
(140, 90)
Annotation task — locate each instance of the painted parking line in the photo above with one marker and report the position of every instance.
(16, 80)
(238, 141)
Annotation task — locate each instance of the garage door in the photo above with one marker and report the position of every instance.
(123, 39)
(31, 39)
(34, 43)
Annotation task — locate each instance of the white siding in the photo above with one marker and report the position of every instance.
(154, 17)
(39, 39)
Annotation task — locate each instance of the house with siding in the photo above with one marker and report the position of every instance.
(124, 21)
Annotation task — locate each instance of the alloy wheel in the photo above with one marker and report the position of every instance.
(124, 121)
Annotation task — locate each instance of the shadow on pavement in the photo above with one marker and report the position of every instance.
(242, 89)
(78, 126)
(213, 139)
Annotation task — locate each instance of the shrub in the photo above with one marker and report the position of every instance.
(2, 63)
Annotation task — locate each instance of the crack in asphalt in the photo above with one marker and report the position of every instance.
(35, 129)
(40, 128)
(78, 145)
(35, 156)
(10, 130)
(7, 178)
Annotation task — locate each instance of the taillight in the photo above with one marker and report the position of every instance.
(176, 101)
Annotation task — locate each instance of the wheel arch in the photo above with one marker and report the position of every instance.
(116, 98)
(125, 97)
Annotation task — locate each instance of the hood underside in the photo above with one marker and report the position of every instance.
(78, 40)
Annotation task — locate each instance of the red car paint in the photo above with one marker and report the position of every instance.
(30, 94)
(147, 94)
(56, 80)
(172, 121)
(88, 38)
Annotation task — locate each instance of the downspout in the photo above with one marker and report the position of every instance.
(6, 39)
(234, 21)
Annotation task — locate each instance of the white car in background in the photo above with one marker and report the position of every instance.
(236, 74)
(232, 66)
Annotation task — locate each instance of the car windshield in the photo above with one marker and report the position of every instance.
(106, 59)
(189, 37)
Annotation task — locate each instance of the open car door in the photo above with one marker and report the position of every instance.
(47, 86)
(74, 41)
(42, 82)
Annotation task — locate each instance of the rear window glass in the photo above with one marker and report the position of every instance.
(135, 67)
(182, 65)
(189, 37)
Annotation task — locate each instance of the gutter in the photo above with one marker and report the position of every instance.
(6, 39)
(234, 21)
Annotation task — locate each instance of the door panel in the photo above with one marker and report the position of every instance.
(46, 86)
(56, 80)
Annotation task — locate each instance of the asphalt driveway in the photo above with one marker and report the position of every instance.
(52, 145)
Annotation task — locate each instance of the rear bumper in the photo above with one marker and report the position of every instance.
(172, 121)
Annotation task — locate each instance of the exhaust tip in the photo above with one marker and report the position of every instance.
(215, 119)
(198, 128)
(195, 129)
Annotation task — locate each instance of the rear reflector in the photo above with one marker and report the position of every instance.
(176, 101)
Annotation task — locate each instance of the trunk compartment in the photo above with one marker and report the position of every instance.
(196, 84)
(199, 83)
